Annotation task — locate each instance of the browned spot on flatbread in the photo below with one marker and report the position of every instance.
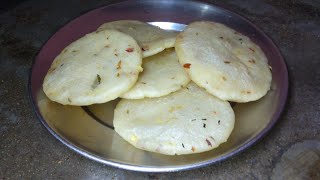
(119, 65)
(224, 78)
(193, 149)
(252, 61)
(187, 65)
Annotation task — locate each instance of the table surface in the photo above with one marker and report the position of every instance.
(28, 150)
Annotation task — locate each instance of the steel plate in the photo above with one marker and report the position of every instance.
(89, 130)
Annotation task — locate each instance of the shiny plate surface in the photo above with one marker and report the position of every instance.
(89, 130)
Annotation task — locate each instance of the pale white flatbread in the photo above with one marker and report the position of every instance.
(162, 74)
(96, 68)
(224, 62)
(184, 122)
(151, 39)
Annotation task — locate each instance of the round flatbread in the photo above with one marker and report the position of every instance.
(151, 39)
(224, 62)
(162, 74)
(184, 122)
(96, 68)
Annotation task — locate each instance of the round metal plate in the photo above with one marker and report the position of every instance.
(89, 130)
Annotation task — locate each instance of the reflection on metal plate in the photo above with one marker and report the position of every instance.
(169, 26)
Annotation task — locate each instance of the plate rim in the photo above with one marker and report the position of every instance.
(283, 99)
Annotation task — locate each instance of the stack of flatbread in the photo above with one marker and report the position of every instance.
(174, 87)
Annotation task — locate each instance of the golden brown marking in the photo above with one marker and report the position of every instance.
(252, 49)
(52, 69)
(252, 61)
(145, 48)
(187, 65)
(224, 78)
(119, 65)
(193, 149)
(129, 49)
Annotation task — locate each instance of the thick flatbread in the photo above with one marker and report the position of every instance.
(162, 74)
(96, 68)
(184, 122)
(151, 39)
(224, 62)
